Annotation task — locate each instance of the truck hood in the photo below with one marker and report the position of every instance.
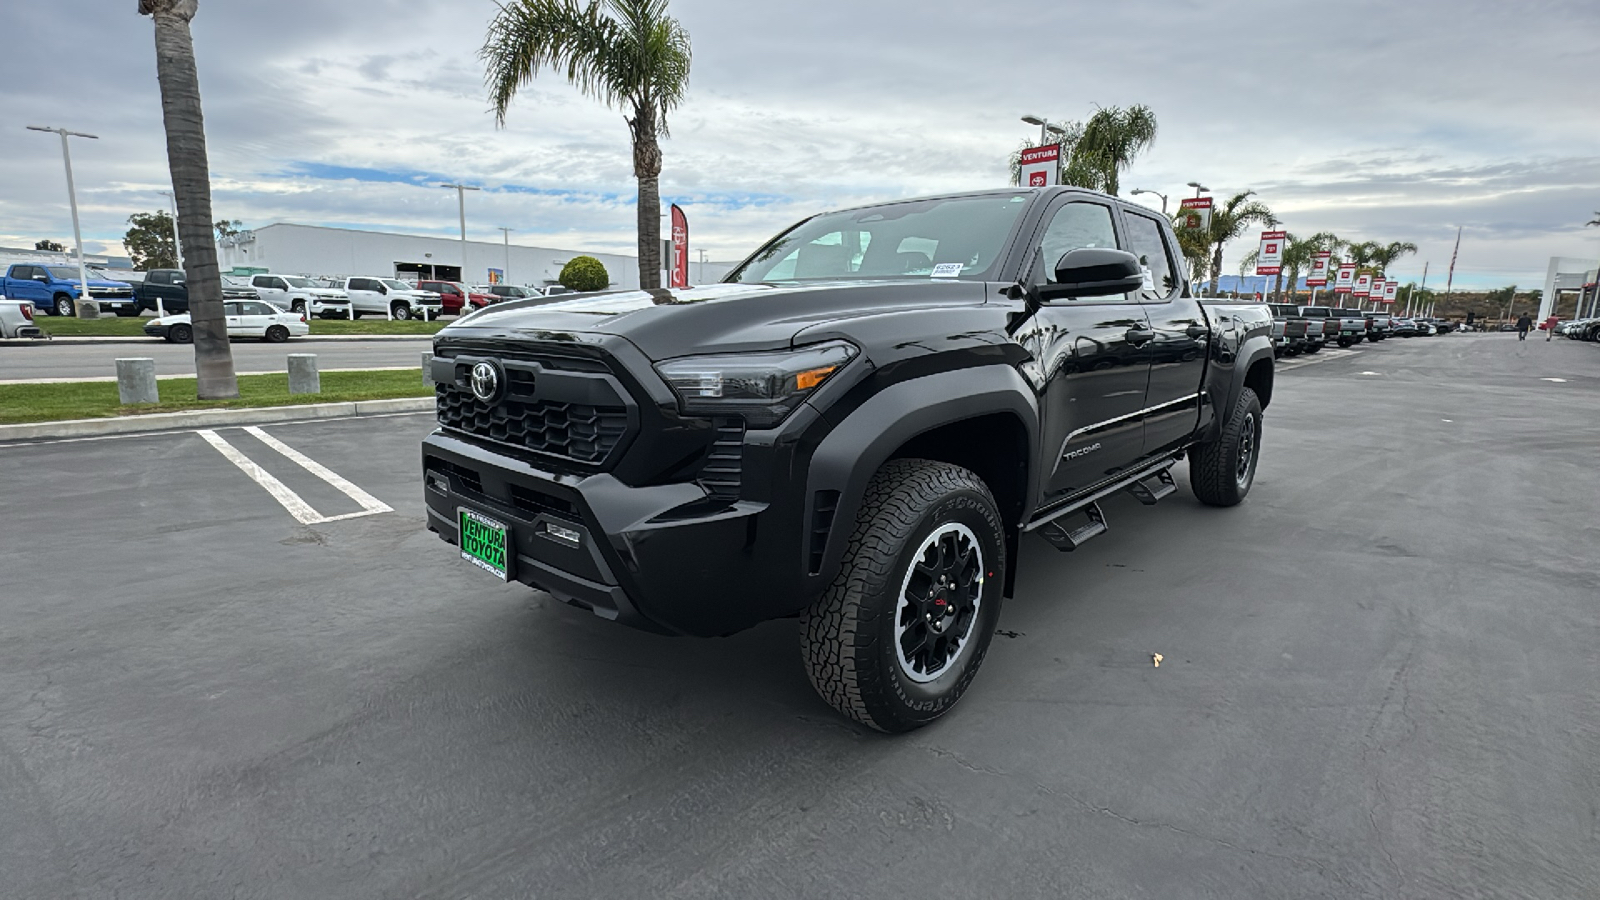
(98, 284)
(718, 317)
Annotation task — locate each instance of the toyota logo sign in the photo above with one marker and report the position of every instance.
(485, 382)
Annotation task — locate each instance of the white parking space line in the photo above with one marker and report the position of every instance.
(372, 505)
(1321, 357)
(280, 492)
(294, 503)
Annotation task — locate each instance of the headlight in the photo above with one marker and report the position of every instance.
(762, 387)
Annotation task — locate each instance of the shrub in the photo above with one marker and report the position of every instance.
(585, 273)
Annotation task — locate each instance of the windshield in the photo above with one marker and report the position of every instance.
(955, 237)
(297, 282)
(62, 272)
(397, 285)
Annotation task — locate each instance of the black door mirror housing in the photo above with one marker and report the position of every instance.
(1094, 272)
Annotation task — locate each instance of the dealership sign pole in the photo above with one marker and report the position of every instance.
(1345, 281)
(1319, 273)
(1040, 164)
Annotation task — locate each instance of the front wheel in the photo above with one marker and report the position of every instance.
(899, 635)
(400, 311)
(180, 334)
(298, 306)
(1222, 471)
(64, 306)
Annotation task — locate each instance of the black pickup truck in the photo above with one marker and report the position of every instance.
(856, 428)
(170, 287)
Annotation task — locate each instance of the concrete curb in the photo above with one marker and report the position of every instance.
(208, 418)
(146, 339)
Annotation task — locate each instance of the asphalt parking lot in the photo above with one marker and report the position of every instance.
(1379, 680)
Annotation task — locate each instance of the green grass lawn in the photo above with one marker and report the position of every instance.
(98, 399)
(112, 326)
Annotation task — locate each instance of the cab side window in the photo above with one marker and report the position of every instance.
(1074, 226)
(1146, 241)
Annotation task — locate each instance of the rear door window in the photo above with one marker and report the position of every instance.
(1146, 241)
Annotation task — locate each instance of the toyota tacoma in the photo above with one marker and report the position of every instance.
(855, 428)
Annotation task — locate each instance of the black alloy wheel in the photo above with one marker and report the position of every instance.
(180, 334)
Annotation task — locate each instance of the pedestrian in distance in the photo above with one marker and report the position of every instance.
(1523, 324)
(1550, 327)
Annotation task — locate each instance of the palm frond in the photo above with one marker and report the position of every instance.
(528, 36)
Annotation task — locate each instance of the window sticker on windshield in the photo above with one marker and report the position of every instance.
(947, 270)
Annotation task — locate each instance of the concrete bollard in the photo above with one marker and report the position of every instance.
(427, 368)
(303, 375)
(136, 381)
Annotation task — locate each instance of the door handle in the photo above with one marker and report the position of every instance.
(1137, 336)
(1197, 331)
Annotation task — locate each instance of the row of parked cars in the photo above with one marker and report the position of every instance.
(1580, 329)
(55, 290)
(1307, 329)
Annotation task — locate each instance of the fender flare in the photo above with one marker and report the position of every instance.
(859, 445)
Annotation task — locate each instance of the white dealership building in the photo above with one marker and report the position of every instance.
(342, 252)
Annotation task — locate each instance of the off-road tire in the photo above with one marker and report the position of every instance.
(1218, 473)
(848, 634)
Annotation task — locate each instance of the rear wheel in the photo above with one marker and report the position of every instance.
(899, 635)
(64, 306)
(180, 334)
(276, 334)
(1222, 471)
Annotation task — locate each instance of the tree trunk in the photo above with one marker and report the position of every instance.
(647, 169)
(1216, 269)
(191, 181)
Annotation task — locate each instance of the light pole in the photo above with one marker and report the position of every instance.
(506, 272)
(177, 248)
(461, 198)
(1157, 193)
(87, 308)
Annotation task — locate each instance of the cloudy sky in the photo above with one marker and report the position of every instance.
(1375, 120)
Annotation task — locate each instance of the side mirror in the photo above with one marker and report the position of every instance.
(383, 290)
(43, 278)
(1094, 272)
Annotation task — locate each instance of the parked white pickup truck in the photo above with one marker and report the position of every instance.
(16, 319)
(300, 295)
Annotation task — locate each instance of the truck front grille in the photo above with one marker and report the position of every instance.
(579, 432)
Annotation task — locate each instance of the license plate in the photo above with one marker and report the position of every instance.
(484, 543)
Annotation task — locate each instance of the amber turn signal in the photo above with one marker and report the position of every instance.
(810, 378)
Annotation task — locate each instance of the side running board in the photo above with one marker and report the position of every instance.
(1056, 533)
(1151, 494)
(1149, 486)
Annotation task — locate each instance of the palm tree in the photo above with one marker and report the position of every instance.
(191, 182)
(624, 53)
(1228, 222)
(1110, 140)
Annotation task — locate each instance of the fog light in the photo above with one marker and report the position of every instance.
(438, 482)
(565, 535)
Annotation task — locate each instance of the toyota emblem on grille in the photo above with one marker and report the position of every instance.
(485, 382)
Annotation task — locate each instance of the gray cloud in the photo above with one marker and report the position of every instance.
(1377, 120)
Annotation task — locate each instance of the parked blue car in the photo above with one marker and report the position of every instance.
(55, 290)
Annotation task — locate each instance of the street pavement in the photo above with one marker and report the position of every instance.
(38, 360)
(1378, 680)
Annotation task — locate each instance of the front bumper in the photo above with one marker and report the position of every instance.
(155, 331)
(657, 557)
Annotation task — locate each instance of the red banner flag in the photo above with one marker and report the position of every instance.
(680, 248)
